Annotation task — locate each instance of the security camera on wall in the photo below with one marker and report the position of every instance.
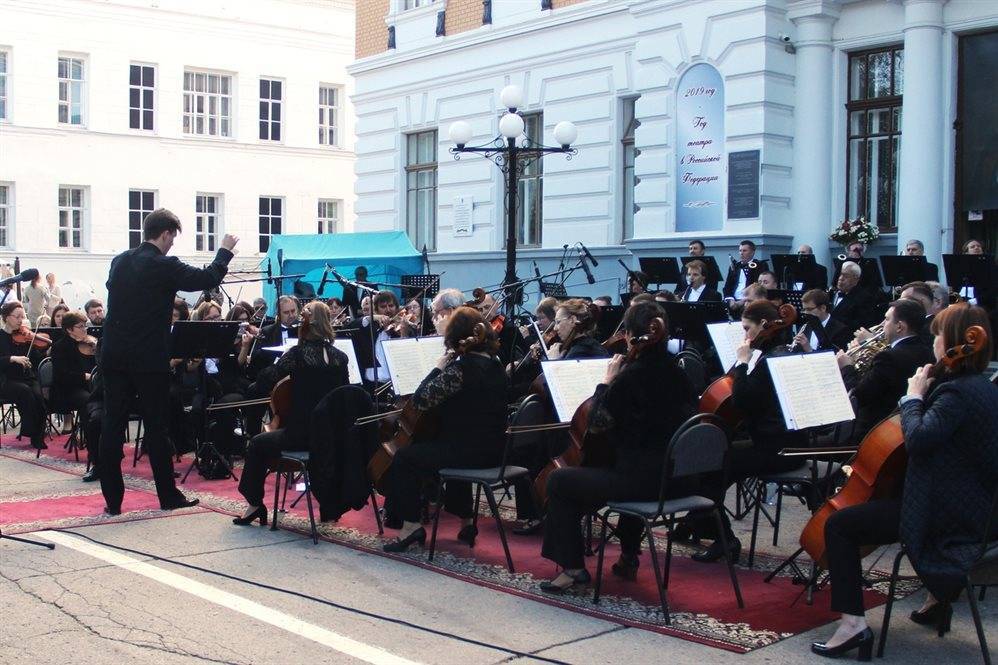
(788, 45)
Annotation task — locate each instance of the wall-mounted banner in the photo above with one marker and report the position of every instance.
(700, 150)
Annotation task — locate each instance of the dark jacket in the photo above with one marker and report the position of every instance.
(856, 309)
(812, 279)
(141, 286)
(69, 368)
(585, 346)
(753, 394)
(833, 335)
(876, 392)
(952, 443)
(731, 281)
(269, 336)
(707, 295)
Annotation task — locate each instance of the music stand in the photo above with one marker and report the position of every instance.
(660, 270)
(428, 284)
(204, 339)
(95, 331)
(790, 268)
(787, 296)
(625, 299)
(975, 271)
(901, 270)
(713, 277)
(610, 317)
(871, 272)
(688, 320)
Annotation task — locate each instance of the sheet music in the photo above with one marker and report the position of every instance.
(727, 337)
(572, 382)
(810, 389)
(410, 359)
(345, 345)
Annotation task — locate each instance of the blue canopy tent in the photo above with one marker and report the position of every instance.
(387, 255)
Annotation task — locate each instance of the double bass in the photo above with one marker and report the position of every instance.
(880, 461)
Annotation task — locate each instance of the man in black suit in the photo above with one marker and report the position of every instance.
(697, 289)
(916, 248)
(743, 272)
(351, 294)
(816, 278)
(876, 392)
(819, 331)
(852, 305)
(135, 359)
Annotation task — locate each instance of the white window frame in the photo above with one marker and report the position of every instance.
(7, 210)
(270, 216)
(628, 151)
(5, 93)
(69, 208)
(406, 5)
(327, 111)
(215, 219)
(326, 223)
(142, 87)
(142, 211)
(271, 105)
(189, 113)
(421, 231)
(69, 81)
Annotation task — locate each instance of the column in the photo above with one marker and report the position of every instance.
(811, 202)
(920, 180)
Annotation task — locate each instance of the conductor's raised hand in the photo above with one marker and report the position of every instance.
(229, 242)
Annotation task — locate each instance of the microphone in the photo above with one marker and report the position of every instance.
(270, 276)
(585, 268)
(588, 255)
(322, 282)
(25, 276)
(537, 272)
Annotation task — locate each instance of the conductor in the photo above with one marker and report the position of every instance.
(141, 286)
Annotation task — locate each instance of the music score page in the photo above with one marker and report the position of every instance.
(572, 382)
(810, 389)
(410, 359)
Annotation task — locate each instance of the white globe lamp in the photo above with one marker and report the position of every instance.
(511, 125)
(511, 97)
(565, 133)
(460, 133)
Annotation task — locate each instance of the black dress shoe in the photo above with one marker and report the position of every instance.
(260, 512)
(182, 502)
(91, 475)
(583, 577)
(715, 552)
(403, 544)
(391, 522)
(683, 534)
(939, 615)
(467, 534)
(38, 442)
(626, 567)
(863, 641)
(112, 511)
(529, 528)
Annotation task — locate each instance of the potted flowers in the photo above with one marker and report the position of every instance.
(855, 230)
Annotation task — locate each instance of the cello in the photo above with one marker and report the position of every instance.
(880, 461)
(717, 398)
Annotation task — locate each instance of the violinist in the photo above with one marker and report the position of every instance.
(18, 383)
(388, 324)
(469, 386)
(316, 367)
(444, 304)
(950, 429)
(638, 406)
(753, 395)
(72, 362)
(57, 314)
(94, 310)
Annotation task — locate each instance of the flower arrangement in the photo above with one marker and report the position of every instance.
(855, 230)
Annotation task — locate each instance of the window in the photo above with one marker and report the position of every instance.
(207, 104)
(329, 216)
(271, 214)
(71, 207)
(270, 110)
(141, 90)
(6, 214)
(529, 187)
(207, 216)
(412, 4)
(328, 115)
(421, 189)
(629, 123)
(3, 87)
(71, 91)
(876, 80)
(140, 203)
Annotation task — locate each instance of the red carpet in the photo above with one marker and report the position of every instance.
(700, 596)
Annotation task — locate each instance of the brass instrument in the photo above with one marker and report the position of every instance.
(862, 354)
(752, 265)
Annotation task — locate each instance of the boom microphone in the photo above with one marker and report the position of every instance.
(585, 268)
(589, 256)
(25, 276)
(537, 272)
(322, 282)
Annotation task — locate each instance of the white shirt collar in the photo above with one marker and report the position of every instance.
(898, 341)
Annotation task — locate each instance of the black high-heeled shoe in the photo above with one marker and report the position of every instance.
(467, 534)
(715, 552)
(863, 641)
(939, 615)
(260, 512)
(583, 577)
(403, 544)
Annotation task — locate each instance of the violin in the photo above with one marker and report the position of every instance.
(717, 398)
(497, 321)
(880, 461)
(25, 335)
(88, 346)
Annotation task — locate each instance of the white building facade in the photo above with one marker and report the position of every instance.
(771, 120)
(236, 116)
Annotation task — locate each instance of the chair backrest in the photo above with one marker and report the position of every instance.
(45, 373)
(692, 364)
(530, 412)
(699, 446)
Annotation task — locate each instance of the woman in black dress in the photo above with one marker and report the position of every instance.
(468, 389)
(18, 382)
(70, 368)
(316, 367)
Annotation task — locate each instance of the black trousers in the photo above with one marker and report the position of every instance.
(575, 492)
(872, 523)
(152, 390)
(416, 464)
(27, 398)
(92, 417)
(260, 452)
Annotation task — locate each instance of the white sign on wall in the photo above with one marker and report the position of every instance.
(463, 206)
(699, 149)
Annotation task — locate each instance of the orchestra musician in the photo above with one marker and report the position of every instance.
(18, 382)
(697, 289)
(638, 406)
(819, 331)
(743, 272)
(469, 386)
(852, 304)
(352, 296)
(767, 280)
(388, 323)
(142, 286)
(916, 247)
(94, 309)
(73, 357)
(444, 304)
(812, 279)
(950, 428)
(877, 390)
(57, 313)
(316, 367)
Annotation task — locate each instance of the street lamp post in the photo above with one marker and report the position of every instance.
(512, 151)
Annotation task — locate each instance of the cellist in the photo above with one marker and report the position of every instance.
(950, 428)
